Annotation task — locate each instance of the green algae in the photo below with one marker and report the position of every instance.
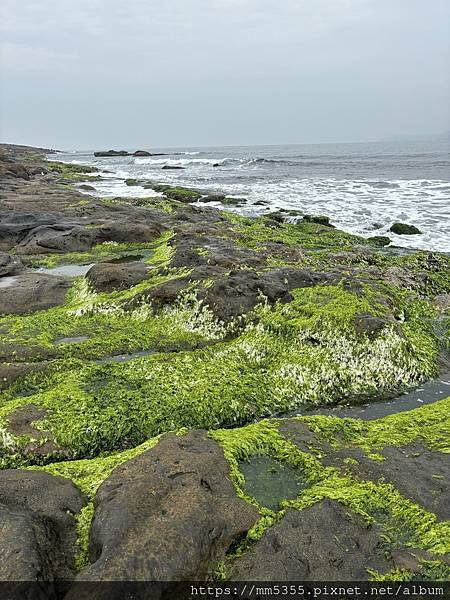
(378, 503)
(255, 233)
(72, 172)
(304, 352)
(103, 252)
(430, 426)
(180, 193)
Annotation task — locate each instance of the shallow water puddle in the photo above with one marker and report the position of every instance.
(427, 393)
(270, 481)
(122, 358)
(126, 258)
(70, 340)
(67, 270)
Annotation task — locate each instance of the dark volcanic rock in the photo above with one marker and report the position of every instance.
(18, 170)
(107, 277)
(369, 325)
(128, 231)
(404, 229)
(240, 291)
(326, 542)
(9, 265)
(30, 292)
(169, 514)
(57, 238)
(380, 240)
(111, 153)
(15, 226)
(419, 474)
(37, 514)
(141, 153)
(235, 293)
(319, 219)
(192, 251)
(172, 167)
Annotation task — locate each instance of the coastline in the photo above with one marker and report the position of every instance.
(364, 189)
(185, 318)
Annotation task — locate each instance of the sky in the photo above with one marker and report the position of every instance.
(96, 74)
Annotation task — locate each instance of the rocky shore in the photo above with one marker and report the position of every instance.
(148, 349)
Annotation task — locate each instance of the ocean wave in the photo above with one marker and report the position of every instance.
(184, 162)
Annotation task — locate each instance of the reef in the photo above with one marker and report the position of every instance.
(153, 343)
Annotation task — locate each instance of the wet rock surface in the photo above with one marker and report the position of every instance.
(30, 292)
(418, 474)
(107, 277)
(37, 515)
(170, 514)
(9, 265)
(326, 542)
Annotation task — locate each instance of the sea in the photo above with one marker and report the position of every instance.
(363, 187)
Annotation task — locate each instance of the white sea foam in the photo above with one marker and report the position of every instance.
(363, 189)
(180, 162)
(117, 187)
(362, 207)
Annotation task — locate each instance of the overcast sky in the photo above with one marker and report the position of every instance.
(146, 73)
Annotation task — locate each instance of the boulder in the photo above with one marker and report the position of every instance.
(369, 325)
(128, 231)
(327, 542)
(29, 292)
(57, 238)
(111, 153)
(9, 265)
(379, 240)
(141, 153)
(15, 226)
(170, 514)
(404, 229)
(37, 516)
(172, 167)
(193, 251)
(319, 219)
(109, 277)
(240, 291)
(235, 293)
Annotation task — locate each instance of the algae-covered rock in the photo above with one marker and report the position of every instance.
(196, 318)
(319, 219)
(326, 542)
(404, 229)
